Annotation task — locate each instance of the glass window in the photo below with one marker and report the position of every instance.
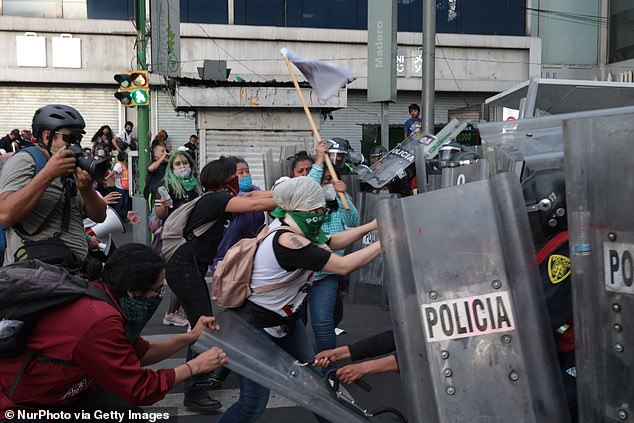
(342, 14)
(621, 41)
(30, 8)
(260, 12)
(491, 17)
(204, 11)
(110, 9)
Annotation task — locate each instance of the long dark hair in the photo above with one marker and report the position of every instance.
(299, 157)
(99, 133)
(216, 173)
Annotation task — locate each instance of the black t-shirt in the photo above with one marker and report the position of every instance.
(310, 257)
(210, 207)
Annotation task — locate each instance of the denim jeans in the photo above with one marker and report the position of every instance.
(254, 397)
(322, 299)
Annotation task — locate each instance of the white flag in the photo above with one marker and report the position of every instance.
(325, 78)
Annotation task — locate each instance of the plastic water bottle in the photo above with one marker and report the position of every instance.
(165, 195)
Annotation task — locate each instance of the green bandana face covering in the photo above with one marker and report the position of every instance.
(309, 223)
(188, 183)
(139, 312)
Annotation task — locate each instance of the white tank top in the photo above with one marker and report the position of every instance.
(266, 271)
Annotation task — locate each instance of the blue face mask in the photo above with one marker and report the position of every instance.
(245, 183)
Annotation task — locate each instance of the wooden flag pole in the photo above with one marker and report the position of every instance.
(331, 169)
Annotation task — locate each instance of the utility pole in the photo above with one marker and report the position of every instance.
(143, 113)
(429, 65)
(140, 232)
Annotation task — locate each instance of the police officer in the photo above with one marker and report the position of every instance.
(545, 199)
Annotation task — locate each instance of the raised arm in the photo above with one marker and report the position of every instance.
(342, 265)
(263, 201)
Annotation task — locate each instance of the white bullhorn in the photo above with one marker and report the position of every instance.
(112, 225)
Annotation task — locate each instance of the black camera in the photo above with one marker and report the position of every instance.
(98, 168)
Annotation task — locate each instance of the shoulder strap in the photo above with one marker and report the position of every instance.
(286, 282)
(38, 157)
(551, 246)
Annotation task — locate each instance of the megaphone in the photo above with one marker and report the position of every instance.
(111, 225)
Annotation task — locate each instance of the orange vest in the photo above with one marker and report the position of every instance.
(125, 180)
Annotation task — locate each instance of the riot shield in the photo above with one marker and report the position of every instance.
(458, 174)
(366, 284)
(472, 331)
(598, 157)
(273, 169)
(353, 188)
(399, 158)
(254, 355)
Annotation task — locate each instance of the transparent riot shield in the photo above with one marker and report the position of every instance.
(600, 189)
(472, 333)
(366, 284)
(255, 356)
(399, 158)
(459, 174)
(273, 169)
(353, 188)
(527, 145)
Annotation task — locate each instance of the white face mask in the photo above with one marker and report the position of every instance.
(329, 192)
(183, 172)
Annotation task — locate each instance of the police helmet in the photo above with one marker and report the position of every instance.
(545, 198)
(56, 116)
(338, 146)
(378, 150)
(450, 150)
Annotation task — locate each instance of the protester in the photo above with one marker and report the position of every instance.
(192, 147)
(156, 170)
(186, 269)
(243, 225)
(101, 339)
(182, 186)
(125, 140)
(300, 164)
(44, 212)
(102, 144)
(9, 143)
(161, 139)
(414, 123)
(283, 255)
(324, 293)
(121, 183)
(377, 345)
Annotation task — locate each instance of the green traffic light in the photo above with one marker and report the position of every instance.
(140, 97)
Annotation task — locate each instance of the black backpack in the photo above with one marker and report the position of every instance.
(28, 290)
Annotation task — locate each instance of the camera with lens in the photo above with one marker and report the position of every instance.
(97, 168)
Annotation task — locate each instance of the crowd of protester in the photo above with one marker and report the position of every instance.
(315, 229)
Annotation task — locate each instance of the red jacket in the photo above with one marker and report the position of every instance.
(91, 334)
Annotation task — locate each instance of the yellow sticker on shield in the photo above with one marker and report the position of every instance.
(558, 268)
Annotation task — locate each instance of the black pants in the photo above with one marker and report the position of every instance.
(186, 277)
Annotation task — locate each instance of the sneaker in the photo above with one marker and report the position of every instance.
(173, 319)
(198, 398)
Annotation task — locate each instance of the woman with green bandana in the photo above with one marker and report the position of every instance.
(182, 186)
(292, 254)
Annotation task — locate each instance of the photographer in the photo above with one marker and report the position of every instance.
(43, 205)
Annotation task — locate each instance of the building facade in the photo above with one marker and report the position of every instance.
(67, 51)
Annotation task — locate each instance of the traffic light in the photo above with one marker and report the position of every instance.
(134, 88)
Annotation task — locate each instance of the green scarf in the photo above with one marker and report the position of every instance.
(308, 223)
(188, 183)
